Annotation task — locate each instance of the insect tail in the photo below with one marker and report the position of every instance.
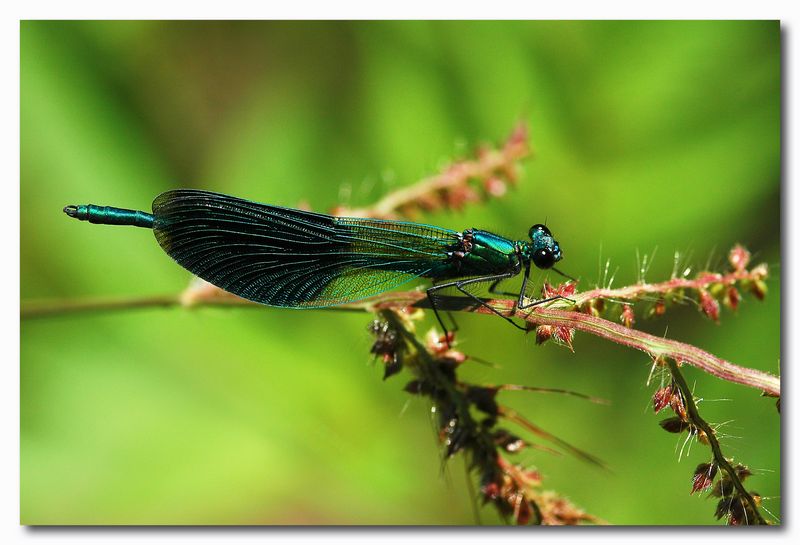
(109, 215)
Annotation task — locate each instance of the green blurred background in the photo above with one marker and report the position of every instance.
(647, 134)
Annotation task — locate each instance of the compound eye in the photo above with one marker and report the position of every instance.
(540, 229)
(544, 258)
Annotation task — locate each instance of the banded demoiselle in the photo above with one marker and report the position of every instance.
(290, 258)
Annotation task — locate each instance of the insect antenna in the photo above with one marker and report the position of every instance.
(565, 275)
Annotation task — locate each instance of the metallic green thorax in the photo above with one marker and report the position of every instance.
(482, 252)
(109, 215)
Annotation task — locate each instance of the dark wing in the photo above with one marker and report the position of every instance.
(291, 258)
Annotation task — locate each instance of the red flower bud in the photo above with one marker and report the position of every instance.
(440, 345)
(703, 477)
(739, 258)
(523, 512)
(676, 403)
(533, 477)
(543, 333)
(759, 289)
(627, 317)
(564, 290)
(459, 195)
(564, 335)
(495, 187)
(490, 491)
(709, 305)
(742, 471)
(732, 298)
(662, 397)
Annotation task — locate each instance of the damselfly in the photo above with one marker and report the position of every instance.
(289, 258)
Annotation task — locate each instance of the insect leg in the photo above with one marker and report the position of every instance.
(432, 298)
(430, 293)
(565, 275)
(459, 285)
(543, 301)
(453, 321)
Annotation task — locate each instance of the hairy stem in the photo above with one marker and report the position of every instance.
(657, 347)
(636, 291)
(605, 329)
(538, 316)
(716, 449)
(46, 309)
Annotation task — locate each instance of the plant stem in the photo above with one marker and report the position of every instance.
(611, 331)
(46, 309)
(657, 347)
(716, 449)
(635, 291)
